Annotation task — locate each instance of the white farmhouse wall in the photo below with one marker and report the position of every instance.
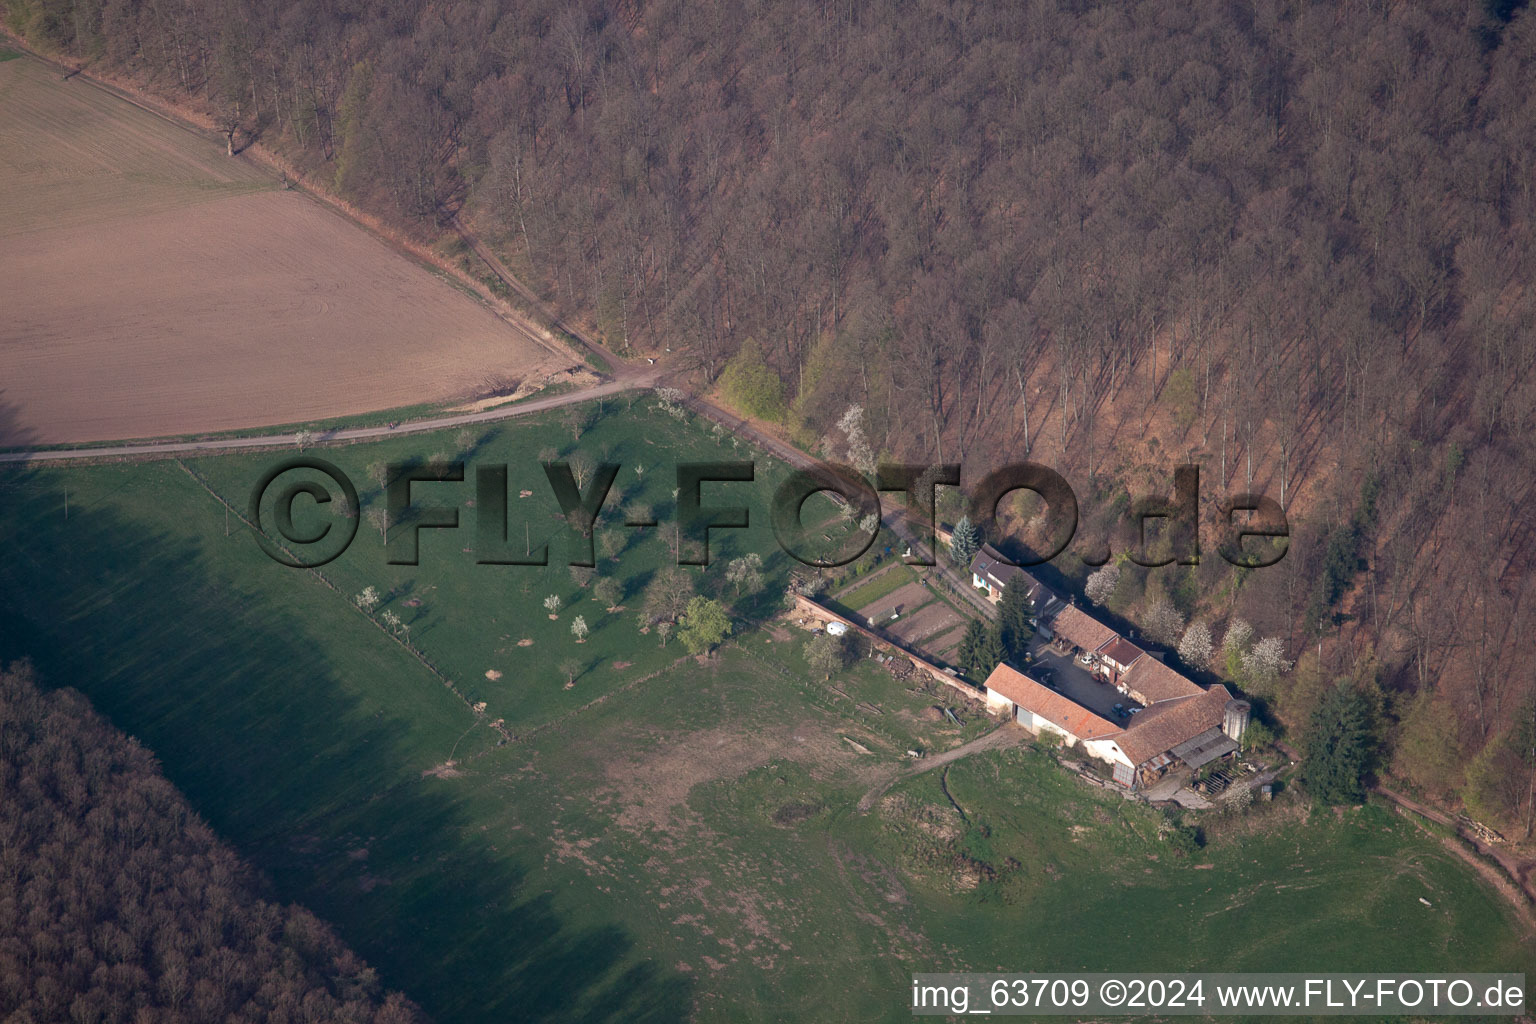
(999, 704)
(1107, 750)
(1036, 724)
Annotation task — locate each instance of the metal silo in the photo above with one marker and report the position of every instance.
(1235, 720)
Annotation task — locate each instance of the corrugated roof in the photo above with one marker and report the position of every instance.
(1049, 705)
(1156, 681)
(1078, 627)
(1204, 748)
(1159, 729)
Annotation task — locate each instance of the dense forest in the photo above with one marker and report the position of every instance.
(118, 904)
(1289, 241)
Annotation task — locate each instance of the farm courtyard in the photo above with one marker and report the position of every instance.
(223, 301)
(512, 821)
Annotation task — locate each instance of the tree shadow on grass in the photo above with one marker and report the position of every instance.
(236, 695)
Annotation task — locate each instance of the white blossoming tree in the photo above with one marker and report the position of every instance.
(860, 455)
(1196, 647)
(1266, 661)
(1164, 623)
(1102, 583)
(1236, 640)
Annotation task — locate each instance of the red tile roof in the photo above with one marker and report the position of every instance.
(1156, 681)
(1076, 626)
(1164, 726)
(1049, 705)
(1121, 651)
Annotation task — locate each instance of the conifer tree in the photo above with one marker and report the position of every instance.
(964, 542)
(1014, 630)
(1340, 747)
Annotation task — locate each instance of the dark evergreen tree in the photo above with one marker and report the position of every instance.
(964, 542)
(972, 645)
(1340, 747)
(1014, 630)
(989, 651)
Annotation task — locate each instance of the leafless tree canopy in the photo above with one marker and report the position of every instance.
(118, 903)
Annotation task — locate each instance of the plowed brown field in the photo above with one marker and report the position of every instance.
(152, 285)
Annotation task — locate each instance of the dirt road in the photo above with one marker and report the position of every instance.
(1511, 882)
(1508, 874)
(173, 449)
(1006, 735)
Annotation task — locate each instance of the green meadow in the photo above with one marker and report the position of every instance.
(649, 836)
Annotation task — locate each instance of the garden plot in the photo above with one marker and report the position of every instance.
(903, 601)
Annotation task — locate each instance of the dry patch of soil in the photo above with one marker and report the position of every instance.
(927, 622)
(577, 378)
(154, 286)
(651, 790)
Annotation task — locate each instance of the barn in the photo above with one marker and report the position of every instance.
(1148, 681)
(1189, 729)
(1041, 709)
(1077, 629)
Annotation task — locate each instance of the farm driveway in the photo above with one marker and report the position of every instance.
(1006, 735)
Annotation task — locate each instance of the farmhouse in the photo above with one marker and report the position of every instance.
(1116, 657)
(1180, 724)
(991, 572)
(1189, 730)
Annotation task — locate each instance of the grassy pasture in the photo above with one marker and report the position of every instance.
(470, 619)
(667, 838)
